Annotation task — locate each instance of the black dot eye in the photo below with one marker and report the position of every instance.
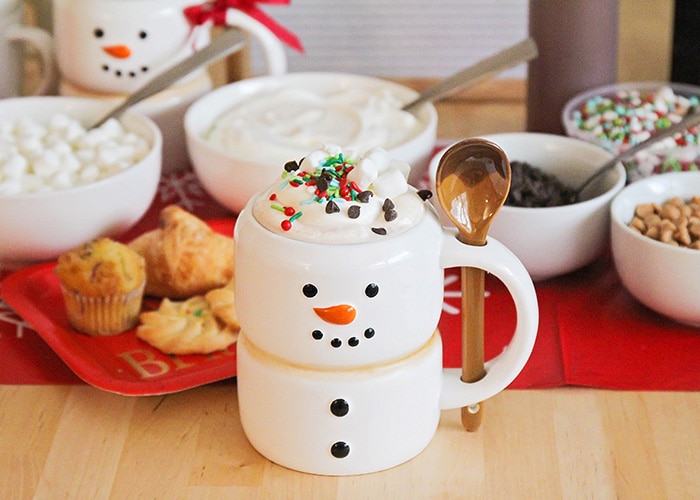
(309, 290)
(143, 35)
(372, 290)
(98, 32)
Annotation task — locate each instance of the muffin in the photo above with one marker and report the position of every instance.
(102, 283)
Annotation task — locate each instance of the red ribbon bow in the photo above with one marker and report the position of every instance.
(216, 12)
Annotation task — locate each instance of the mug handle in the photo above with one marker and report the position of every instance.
(275, 57)
(40, 40)
(497, 259)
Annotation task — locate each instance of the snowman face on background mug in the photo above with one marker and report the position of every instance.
(115, 46)
(339, 363)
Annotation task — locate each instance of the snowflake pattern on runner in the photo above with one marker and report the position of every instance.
(8, 315)
(182, 189)
(453, 294)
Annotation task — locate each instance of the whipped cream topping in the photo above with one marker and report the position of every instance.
(289, 121)
(331, 197)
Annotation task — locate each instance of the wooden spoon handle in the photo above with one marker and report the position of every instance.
(472, 339)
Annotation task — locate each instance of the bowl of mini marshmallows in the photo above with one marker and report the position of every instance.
(656, 243)
(62, 184)
(617, 117)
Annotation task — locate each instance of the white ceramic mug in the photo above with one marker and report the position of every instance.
(14, 36)
(329, 396)
(114, 46)
(109, 48)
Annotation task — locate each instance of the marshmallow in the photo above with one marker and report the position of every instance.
(60, 154)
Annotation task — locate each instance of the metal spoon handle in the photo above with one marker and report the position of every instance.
(687, 122)
(520, 52)
(229, 41)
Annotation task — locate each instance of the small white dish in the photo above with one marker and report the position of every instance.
(553, 241)
(661, 276)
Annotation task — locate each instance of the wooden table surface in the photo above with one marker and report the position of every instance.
(82, 442)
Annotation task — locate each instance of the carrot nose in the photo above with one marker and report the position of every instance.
(342, 314)
(118, 51)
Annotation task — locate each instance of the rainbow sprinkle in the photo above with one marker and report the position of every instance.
(331, 182)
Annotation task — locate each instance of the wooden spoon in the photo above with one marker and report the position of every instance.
(472, 183)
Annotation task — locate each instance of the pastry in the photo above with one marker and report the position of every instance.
(184, 256)
(102, 282)
(197, 325)
(222, 303)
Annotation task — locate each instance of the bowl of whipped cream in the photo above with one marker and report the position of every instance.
(241, 134)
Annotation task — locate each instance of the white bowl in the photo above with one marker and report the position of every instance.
(233, 175)
(553, 241)
(40, 226)
(664, 156)
(659, 275)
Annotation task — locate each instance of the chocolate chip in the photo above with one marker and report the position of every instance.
(364, 196)
(387, 204)
(291, 166)
(332, 207)
(532, 187)
(390, 215)
(425, 194)
(354, 212)
(379, 230)
(322, 184)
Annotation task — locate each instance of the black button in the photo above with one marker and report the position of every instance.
(340, 449)
(340, 407)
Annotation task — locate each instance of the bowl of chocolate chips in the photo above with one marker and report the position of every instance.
(543, 222)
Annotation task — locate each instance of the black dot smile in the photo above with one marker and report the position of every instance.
(337, 342)
(118, 72)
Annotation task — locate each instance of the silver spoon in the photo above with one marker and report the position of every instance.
(226, 43)
(507, 58)
(687, 122)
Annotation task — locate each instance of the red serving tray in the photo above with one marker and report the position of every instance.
(122, 363)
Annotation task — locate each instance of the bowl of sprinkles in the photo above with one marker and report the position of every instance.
(617, 117)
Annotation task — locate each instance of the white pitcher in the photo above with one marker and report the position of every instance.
(14, 35)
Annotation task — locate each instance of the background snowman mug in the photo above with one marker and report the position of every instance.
(325, 391)
(106, 49)
(114, 46)
(14, 37)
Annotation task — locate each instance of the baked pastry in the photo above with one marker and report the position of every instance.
(192, 326)
(184, 256)
(222, 304)
(102, 282)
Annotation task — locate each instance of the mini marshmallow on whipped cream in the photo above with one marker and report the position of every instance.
(332, 197)
(289, 121)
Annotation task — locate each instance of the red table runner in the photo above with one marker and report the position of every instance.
(592, 332)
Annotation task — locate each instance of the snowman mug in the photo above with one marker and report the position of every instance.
(337, 397)
(106, 49)
(114, 46)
